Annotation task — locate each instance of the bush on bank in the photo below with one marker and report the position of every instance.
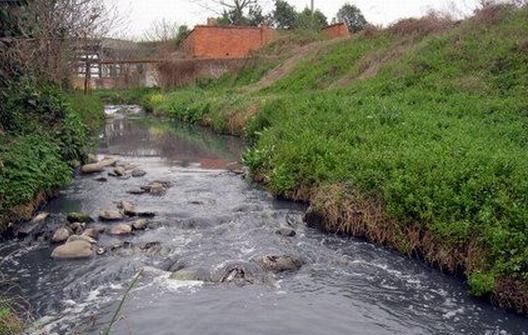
(44, 134)
(412, 139)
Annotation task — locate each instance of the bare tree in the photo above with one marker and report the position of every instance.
(233, 11)
(49, 34)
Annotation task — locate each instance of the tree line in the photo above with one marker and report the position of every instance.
(282, 16)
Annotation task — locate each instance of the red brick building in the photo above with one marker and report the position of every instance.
(225, 42)
(336, 30)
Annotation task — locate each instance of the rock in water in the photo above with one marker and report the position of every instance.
(286, 231)
(110, 215)
(92, 232)
(119, 171)
(61, 235)
(73, 250)
(138, 173)
(121, 229)
(92, 168)
(146, 214)
(81, 238)
(137, 191)
(279, 263)
(107, 161)
(40, 217)
(140, 224)
(157, 189)
(79, 217)
(127, 207)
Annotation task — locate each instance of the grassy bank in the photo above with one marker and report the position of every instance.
(44, 134)
(413, 137)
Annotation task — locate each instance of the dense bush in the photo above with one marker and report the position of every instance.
(45, 134)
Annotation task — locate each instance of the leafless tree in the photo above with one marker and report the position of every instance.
(49, 33)
(221, 6)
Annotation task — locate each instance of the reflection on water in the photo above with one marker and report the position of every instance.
(180, 145)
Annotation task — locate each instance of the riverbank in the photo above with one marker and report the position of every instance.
(45, 134)
(412, 137)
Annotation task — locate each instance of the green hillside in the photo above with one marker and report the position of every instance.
(414, 137)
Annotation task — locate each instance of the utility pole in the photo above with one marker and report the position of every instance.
(313, 8)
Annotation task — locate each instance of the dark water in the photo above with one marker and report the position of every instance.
(209, 218)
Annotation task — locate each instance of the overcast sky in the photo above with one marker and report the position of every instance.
(141, 13)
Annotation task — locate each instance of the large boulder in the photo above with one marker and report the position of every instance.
(73, 250)
(61, 235)
(121, 229)
(110, 215)
(79, 217)
(279, 263)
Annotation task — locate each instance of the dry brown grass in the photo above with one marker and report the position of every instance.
(491, 13)
(433, 23)
(512, 294)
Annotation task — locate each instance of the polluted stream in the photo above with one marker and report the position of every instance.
(201, 256)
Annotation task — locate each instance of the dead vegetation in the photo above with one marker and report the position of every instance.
(433, 23)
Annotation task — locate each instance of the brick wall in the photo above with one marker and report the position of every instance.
(225, 42)
(336, 30)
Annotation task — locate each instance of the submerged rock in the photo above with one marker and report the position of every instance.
(110, 215)
(61, 235)
(79, 217)
(138, 173)
(199, 274)
(279, 263)
(73, 250)
(240, 273)
(137, 191)
(286, 231)
(121, 229)
(146, 214)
